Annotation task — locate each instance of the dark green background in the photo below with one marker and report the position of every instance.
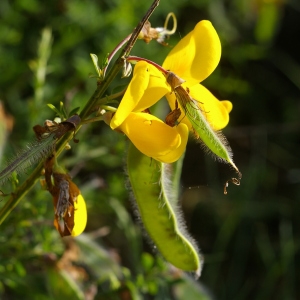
(249, 238)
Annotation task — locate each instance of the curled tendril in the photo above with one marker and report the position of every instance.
(164, 32)
(170, 32)
(236, 181)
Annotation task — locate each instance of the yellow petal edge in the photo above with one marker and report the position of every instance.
(80, 216)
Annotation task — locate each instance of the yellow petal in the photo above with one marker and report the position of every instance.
(176, 154)
(153, 137)
(215, 111)
(196, 56)
(80, 216)
(146, 87)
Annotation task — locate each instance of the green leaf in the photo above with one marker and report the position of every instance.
(74, 111)
(147, 262)
(214, 141)
(63, 110)
(95, 62)
(153, 193)
(63, 286)
(54, 109)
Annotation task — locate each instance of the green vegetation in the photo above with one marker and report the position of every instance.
(249, 238)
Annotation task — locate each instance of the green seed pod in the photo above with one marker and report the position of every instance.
(153, 193)
(43, 146)
(34, 152)
(213, 141)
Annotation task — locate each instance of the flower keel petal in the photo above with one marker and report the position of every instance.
(175, 154)
(153, 137)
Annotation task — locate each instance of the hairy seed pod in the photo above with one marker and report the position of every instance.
(213, 141)
(153, 194)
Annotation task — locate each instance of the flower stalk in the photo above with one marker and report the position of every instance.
(134, 59)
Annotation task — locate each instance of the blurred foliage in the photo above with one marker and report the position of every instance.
(249, 238)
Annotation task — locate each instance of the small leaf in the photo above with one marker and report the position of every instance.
(95, 62)
(62, 110)
(54, 109)
(105, 61)
(74, 111)
(147, 262)
(214, 141)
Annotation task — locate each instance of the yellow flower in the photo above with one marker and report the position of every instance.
(193, 59)
(80, 216)
(146, 87)
(69, 206)
(154, 138)
(149, 134)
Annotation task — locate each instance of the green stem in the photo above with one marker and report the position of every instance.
(102, 87)
(16, 197)
(112, 54)
(23, 189)
(111, 97)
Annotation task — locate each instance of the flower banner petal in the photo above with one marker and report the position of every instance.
(196, 56)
